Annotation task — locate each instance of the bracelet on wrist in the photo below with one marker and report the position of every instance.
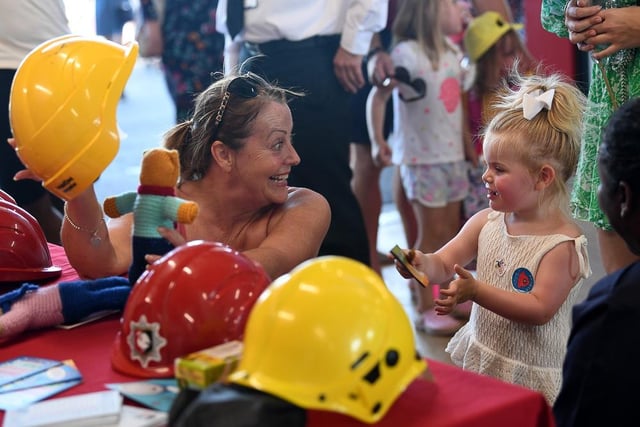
(95, 238)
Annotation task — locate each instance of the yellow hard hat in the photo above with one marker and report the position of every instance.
(329, 335)
(63, 106)
(484, 31)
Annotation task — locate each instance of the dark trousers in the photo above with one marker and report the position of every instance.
(24, 191)
(321, 133)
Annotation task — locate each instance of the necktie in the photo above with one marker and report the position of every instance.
(235, 16)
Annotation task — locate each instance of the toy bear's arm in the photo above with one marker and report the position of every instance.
(116, 206)
(187, 212)
(179, 210)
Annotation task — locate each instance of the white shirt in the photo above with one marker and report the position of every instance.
(429, 130)
(25, 24)
(267, 20)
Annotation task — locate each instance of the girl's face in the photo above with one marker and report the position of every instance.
(451, 13)
(510, 184)
(507, 52)
(264, 163)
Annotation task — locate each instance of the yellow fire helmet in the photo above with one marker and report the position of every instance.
(329, 335)
(63, 106)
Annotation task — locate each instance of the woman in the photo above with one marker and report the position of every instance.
(611, 35)
(600, 349)
(236, 153)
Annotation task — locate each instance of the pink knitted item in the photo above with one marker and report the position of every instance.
(35, 310)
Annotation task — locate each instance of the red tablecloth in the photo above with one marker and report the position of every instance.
(454, 398)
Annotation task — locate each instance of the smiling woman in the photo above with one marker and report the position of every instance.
(236, 154)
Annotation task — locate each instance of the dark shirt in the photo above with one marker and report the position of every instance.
(600, 375)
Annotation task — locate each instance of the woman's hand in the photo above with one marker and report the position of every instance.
(579, 19)
(173, 236)
(619, 29)
(24, 173)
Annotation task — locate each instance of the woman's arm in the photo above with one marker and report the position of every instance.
(295, 235)
(95, 248)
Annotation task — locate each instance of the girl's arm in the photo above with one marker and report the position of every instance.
(462, 249)
(557, 273)
(376, 112)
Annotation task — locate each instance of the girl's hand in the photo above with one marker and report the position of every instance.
(413, 257)
(461, 289)
(381, 154)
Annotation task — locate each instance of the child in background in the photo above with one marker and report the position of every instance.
(532, 257)
(492, 44)
(428, 138)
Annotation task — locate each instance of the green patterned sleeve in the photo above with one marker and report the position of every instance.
(552, 17)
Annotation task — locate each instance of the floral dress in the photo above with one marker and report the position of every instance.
(193, 50)
(623, 74)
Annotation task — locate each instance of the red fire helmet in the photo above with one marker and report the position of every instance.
(24, 253)
(197, 296)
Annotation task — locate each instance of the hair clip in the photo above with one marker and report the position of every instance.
(534, 101)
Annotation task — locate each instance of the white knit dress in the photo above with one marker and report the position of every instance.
(522, 354)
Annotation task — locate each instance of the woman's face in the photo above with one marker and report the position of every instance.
(264, 163)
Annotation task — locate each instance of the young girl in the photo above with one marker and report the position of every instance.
(531, 256)
(427, 138)
(492, 44)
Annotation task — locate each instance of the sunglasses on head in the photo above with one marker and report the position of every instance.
(243, 86)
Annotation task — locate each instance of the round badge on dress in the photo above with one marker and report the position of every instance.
(522, 280)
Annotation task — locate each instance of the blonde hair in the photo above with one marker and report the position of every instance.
(418, 20)
(552, 137)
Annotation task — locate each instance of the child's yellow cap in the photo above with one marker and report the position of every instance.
(484, 31)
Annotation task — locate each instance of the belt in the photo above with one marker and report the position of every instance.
(274, 46)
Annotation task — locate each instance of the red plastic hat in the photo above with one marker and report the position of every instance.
(198, 295)
(7, 197)
(24, 253)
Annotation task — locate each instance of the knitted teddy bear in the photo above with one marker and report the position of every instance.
(153, 205)
(32, 306)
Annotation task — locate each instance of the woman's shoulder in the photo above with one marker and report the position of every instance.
(303, 193)
(301, 198)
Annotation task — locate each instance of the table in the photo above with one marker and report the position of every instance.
(454, 397)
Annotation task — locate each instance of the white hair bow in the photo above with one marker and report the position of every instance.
(534, 101)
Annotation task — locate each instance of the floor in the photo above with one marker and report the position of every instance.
(145, 112)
